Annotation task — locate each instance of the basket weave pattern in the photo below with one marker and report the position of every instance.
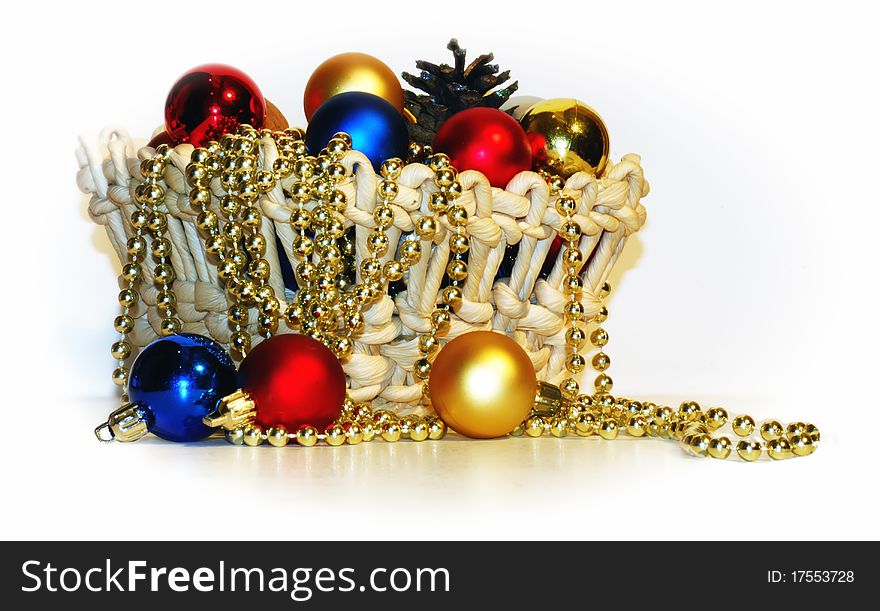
(526, 308)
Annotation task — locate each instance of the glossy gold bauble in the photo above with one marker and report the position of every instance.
(482, 384)
(351, 72)
(567, 137)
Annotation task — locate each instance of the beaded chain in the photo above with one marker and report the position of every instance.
(148, 196)
(329, 308)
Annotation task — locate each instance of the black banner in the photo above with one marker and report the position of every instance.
(431, 575)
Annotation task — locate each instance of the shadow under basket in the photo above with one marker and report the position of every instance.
(510, 287)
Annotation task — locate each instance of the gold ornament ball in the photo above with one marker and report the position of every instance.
(351, 72)
(567, 137)
(482, 384)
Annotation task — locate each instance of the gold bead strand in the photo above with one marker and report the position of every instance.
(566, 206)
(302, 247)
(253, 182)
(599, 338)
(128, 297)
(152, 194)
(446, 178)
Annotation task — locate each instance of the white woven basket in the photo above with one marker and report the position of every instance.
(523, 306)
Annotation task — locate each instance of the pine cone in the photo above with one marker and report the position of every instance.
(452, 89)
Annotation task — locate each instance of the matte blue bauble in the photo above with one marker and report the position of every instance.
(178, 380)
(377, 129)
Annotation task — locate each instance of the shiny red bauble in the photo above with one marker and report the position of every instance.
(294, 381)
(487, 140)
(210, 101)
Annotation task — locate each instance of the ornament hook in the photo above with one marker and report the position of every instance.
(99, 433)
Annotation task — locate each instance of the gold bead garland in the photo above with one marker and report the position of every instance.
(329, 308)
(148, 197)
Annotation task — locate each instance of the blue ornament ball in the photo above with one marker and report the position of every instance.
(377, 129)
(178, 380)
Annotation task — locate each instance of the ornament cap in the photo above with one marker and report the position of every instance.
(232, 412)
(128, 423)
(548, 399)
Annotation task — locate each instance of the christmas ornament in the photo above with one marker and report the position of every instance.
(174, 383)
(487, 140)
(209, 101)
(275, 119)
(451, 89)
(376, 128)
(517, 106)
(566, 137)
(482, 384)
(287, 380)
(159, 139)
(351, 72)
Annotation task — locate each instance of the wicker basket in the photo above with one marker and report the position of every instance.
(523, 306)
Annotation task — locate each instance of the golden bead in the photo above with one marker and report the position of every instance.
(574, 311)
(253, 436)
(575, 337)
(428, 344)
(573, 284)
(369, 432)
(169, 326)
(277, 436)
(518, 430)
(779, 449)
(689, 411)
(570, 231)
(457, 269)
(441, 320)
(558, 427)
(802, 445)
(635, 426)
(354, 434)
(120, 350)
(120, 376)
(534, 426)
(391, 168)
(662, 414)
(426, 227)
(458, 243)
(307, 436)
(438, 202)
(437, 161)
(700, 444)
(603, 383)
(418, 430)
(436, 429)
(334, 435)
(743, 426)
(343, 347)
(575, 363)
(795, 428)
(411, 251)
(749, 450)
(608, 429)
(422, 369)
(771, 429)
(720, 447)
(570, 388)
(716, 417)
(452, 297)
(585, 424)
(813, 431)
(599, 337)
(377, 242)
(601, 361)
(235, 436)
(601, 316)
(566, 206)
(391, 431)
(604, 290)
(457, 215)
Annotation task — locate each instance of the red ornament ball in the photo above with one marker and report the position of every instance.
(294, 381)
(210, 101)
(487, 140)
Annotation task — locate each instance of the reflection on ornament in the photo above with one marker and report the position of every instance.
(294, 381)
(517, 106)
(351, 72)
(482, 384)
(210, 101)
(486, 140)
(566, 137)
(376, 128)
(177, 380)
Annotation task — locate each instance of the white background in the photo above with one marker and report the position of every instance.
(753, 285)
